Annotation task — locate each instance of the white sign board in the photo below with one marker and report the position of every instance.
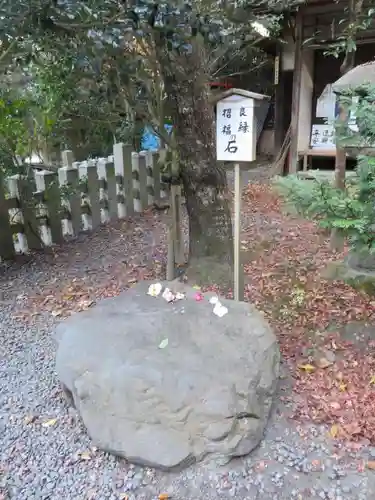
(323, 137)
(353, 116)
(326, 104)
(235, 129)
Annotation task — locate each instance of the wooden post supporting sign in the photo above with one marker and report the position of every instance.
(236, 138)
(238, 269)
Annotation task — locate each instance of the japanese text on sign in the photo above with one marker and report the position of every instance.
(323, 136)
(234, 130)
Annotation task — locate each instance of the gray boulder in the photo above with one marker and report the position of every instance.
(207, 392)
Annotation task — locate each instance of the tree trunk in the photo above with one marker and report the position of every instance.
(337, 241)
(204, 180)
(355, 9)
(210, 226)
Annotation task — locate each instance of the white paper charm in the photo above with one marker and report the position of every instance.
(154, 289)
(168, 295)
(220, 310)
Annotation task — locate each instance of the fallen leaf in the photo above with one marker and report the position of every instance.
(324, 363)
(372, 380)
(85, 455)
(55, 314)
(353, 429)
(339, 376)
(163, 496)
(334, 431)
(343, 387)
(335, 405)
(85, 304)
(91, 494)
(163, 344)
(307, 368)
(371, 465)
(49, 423)
(30, 419)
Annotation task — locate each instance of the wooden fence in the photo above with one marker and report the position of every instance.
(44, 210)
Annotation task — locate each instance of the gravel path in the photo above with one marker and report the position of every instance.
(46, 454)
(44, 450)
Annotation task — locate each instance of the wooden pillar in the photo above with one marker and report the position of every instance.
(296, 92)
(279, 106)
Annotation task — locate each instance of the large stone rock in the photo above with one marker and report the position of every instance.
(209, 391)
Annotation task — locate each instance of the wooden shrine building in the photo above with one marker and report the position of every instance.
(304, 102)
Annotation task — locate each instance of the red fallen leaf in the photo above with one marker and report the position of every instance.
(353, 429)
(354, 446)
(261, 465)
(335, 405)
(361, 466)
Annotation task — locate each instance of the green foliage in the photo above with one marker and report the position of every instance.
(96, 73)
(13, 129)
(351, 212)
(356, 18)
(20, 131)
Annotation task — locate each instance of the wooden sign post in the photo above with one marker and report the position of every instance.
(238, 266)
(236, 135)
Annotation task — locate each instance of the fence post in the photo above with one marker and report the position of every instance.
(69, 177)
(136, 190)
(111, 188)
(67, 158)
(103, 190)
(143, 193)
(16, 217)
(71, 202)
(150, 180)
(93, 193)
(47, 182)
(160, 158)
(20, 188)
(156, 177)
(123, 168)
(7, 250)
